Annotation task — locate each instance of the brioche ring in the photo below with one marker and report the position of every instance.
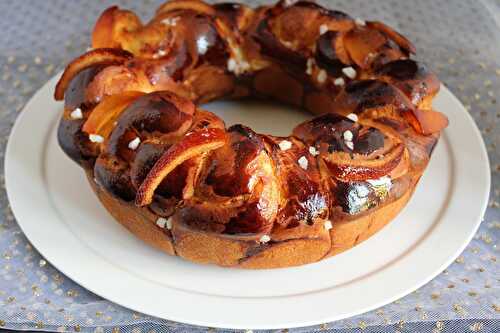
(178, 179)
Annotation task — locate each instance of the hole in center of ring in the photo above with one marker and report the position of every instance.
(262, 116)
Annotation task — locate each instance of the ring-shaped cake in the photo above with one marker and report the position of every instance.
(177, 178)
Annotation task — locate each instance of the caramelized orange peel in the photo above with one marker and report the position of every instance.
(194, 5)
(402, 41)
(113, 24)
(92, 58)
(193, 144)
(362, 45)
(101, 120)
(430, 121)
(345, 168)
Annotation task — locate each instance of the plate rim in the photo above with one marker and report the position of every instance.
(56, 263)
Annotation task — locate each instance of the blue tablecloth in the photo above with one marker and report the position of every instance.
(459, 39)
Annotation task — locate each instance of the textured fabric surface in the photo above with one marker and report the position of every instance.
(459, 39)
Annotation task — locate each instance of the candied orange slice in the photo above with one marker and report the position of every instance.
(89, 59)
(362, 44)
(102, 118)
(343, 167)
(193, 144)
(113, 23)
(194, 5)
(402, 41)
(430, 121)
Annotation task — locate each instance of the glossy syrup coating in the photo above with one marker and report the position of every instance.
(375, 123)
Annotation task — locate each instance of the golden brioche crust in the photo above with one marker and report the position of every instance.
(209, 248)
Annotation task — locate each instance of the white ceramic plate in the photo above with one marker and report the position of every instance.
(63, 219)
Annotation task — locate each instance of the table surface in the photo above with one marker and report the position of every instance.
(459, 40)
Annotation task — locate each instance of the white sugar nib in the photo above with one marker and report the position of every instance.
(303, 162)
(352, 116)
(350, 72)
(285, 145)
(96, 138)
(265, 239)
(134, 144)
(76, 114)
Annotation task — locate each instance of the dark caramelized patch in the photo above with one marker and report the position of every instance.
(412, 78)
(162, 206)
(146, 156)
(229, 11)
(173, 185)
(404, 69)
(149, 113)
(75, 94)
(72, 140)
(356, 197)
(311, 206)
(368, 140)
(272, 47)
(326, 56)
(248, 221)
(307, 199)
(334, 14)
(327, 128)
(359, 87)
(228, 175)
(210, 46)
(368, 94)
(111, 173)
(395, 124)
